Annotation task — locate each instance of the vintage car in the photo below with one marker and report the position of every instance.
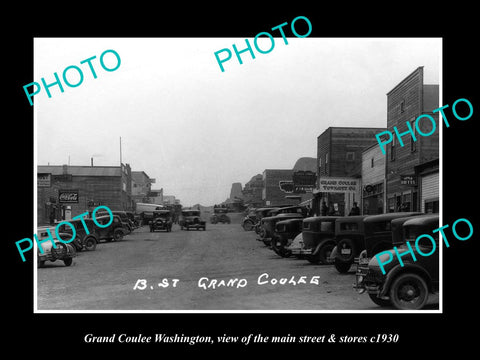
(260, 213)
(191, 219)
(285, 232)
(349, 239)
(379, 230)
(267, 224)
(407, 287)
(83, 240)
(318, 238)
(162, 220)
(296, 247)
(220, 215)
(115, 231)
(126, 221)
(249, 221)
(61, 251)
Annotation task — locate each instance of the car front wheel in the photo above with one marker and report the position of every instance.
(68, 261)
(90, 244)
(409, 292)
(118, 235)
(342, 267)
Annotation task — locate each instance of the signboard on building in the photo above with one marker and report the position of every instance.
(286, 186)
(338, 185)
(410, 180)
(304, 181)
(44, 180)
(68, 196)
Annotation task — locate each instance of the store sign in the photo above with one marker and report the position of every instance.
(286, 186)
(304, 181)
(410, 180)
(68, 196)
(339, 185)
(44, 180)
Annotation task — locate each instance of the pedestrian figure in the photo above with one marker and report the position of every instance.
(324, 209)
(355, 210)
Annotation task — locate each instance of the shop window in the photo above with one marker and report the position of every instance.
(406, 202)
(391, 204)
(432, 206)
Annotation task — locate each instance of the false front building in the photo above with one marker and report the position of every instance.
(412, 167)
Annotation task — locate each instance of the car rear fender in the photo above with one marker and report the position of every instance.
(323, 243)
(407, 268)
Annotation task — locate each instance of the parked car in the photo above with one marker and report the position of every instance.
(285, 232)
(134, 219)
(318, 238)
(220, 215)
(127, 223)
(407, 287)
(191, 219)
(162, 220)
(260, 213)
(115, 231)
(296, 246)
(83, 241)
(268, 223)
(379, 231)
(250, 219)
(349, 238)
(61, 251)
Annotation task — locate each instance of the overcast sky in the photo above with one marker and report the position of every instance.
(195, 129)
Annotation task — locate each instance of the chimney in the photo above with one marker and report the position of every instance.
(91, 161)
(64, 169)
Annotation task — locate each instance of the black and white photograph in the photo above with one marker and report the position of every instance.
(267, 185)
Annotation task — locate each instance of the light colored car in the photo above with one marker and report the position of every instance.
(61, 251)
(296, 246)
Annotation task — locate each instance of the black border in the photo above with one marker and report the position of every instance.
(418, 332)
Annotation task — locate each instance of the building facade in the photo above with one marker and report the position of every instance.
(141, 187)
(253, 191)
(373, 180)
(65, 191)
(339, 155)
(272, 193)
(404, 159)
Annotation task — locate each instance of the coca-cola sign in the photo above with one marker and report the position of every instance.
(68, 196)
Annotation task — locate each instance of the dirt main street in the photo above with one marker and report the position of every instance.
(169, 271)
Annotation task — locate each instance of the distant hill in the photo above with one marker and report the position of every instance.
(306, 164)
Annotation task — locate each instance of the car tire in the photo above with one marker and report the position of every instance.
(248, 225)
(118, 235)
(342, 267)
(41, 263)
(313, 259)
(325, 252)
(68, 261)
(378, 301)
(409, 292)
(90, 244)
